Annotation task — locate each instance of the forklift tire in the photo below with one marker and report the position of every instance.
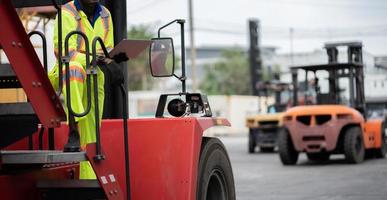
(251, 144)
(215, 178)
(381, 152)
(354, 145)
(288, 154)
(318, 156)
(267, 149)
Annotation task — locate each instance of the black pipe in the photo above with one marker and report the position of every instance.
(41, 133)
(51, 139)
(66, 59)
(126, 138)
(44, 42)
(295, 87)
(60, 48)
(94, 72)
(306, 88)
(183, 77)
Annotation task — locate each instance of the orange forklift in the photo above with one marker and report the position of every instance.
(153, 158)
(334, 121)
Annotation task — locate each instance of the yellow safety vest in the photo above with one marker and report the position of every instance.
(76, 20)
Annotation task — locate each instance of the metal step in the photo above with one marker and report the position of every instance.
(70, 189)
(16, 109)
(8, 78)
(41, 157)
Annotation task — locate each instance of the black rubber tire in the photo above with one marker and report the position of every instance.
(288, 154)
(354, 145)
(267, 149)
(251, 143)
(215, 178)
(318, 156)
(381, 152)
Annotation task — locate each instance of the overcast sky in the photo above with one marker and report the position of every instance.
(224, 22)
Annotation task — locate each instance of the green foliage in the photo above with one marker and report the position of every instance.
(230, 76)
(139, 76)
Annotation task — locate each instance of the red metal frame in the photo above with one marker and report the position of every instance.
(27, 66)
(23, 185)
(164, 155)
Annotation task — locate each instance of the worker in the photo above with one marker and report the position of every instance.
(93, 19)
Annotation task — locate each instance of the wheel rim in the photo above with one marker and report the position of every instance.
(216, 189)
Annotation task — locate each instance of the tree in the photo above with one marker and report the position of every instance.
(228, 76)
(139, 76)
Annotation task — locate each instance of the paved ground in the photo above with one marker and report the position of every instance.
(261, 176)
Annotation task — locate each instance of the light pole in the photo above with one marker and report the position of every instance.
(192, 43)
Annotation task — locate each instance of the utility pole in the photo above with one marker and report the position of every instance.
(192, 43)
(291, 32)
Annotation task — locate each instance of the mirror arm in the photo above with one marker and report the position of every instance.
(176, 20)
(183, 77)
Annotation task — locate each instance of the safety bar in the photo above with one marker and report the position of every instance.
(44, 43)
(66, 60)
(94, 71)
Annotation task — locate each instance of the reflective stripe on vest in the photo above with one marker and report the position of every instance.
(105, 21)
(70, 7)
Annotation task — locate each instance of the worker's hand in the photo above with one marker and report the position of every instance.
(121, 57)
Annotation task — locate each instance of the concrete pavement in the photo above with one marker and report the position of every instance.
(261, 176)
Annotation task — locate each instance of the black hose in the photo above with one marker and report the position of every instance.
(126, 137)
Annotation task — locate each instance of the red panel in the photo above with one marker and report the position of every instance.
(164, 154)
(106, 175)
(29, 70)
(23, 185)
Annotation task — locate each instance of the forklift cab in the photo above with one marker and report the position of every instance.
(335, 82)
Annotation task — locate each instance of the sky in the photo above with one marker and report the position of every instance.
(224, 22)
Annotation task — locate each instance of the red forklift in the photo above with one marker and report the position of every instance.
(166, 157)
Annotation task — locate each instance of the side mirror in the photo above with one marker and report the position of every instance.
(162, 57)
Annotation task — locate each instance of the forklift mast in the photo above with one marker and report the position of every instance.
(352, 69)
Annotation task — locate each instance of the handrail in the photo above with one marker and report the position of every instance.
(66, 60)
(94, 72)
(44, 41)
(60, 48)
